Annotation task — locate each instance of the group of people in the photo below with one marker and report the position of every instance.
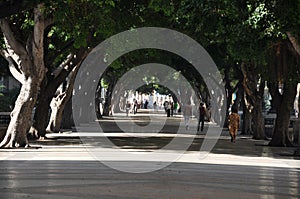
(233, 119)
(133, 106)
(170, 108)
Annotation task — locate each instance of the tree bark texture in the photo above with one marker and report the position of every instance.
(247, 116)
(250, 82)
(258, 120)
(67, 119)
(281, 130)
(108, 97)
(59, 102)
(21, 116)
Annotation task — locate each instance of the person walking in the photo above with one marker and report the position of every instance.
(135, 104)
(187, 113)
(202, 113)
(233, 124)
(168, 109)
(128, 106)
(172, 109)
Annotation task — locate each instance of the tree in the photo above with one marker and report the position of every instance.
(30, 54)
(26, 61)
(284, 91)
(59, 102)
(69, 44)
(284, 58)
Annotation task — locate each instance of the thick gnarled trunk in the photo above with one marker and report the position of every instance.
(108, 97)
(16, 135)
(255, 94)
(57, 106)
(258, 120)
(285, 60)
(59, 102)
(247, 117)
(41, 114)
(281, 131)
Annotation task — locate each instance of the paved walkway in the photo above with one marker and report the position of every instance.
(64, 166)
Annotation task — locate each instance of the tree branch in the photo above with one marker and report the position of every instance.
(13, 66)
(62, 66)
(38, 39)
(294, 42)
(16, 46)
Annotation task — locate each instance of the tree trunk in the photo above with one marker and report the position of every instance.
(247, 117)
(58, 103)
(98, 101)
(229, 92)
(108, 96)
(16, 135)
(67, 118)
(239, 96)
(57, 106)
(41, 114)
(296, 45)
(250, 82)
(287, 61)
(281, 131)
(258, 120)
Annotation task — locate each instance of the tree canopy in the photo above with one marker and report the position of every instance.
(246, 38)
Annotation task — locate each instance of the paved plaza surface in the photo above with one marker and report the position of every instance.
(64, 166)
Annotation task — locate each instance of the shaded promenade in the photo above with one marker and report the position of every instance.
(62, 167)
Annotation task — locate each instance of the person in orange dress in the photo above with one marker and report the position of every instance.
(233, 124)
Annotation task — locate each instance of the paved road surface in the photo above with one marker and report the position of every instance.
(62, 167)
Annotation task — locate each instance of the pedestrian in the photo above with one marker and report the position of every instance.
(155, 106)
(187, 113)
(202, 113)
(146, 104)
(135, 106)
(233, 124)
(128, 106)
(168, 109)
(166, 103)
(175, 107)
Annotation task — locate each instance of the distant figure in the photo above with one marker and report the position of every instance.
(175, 107)
(233, 124)
(166, 103)
(187, 113)
(128, 106)
(146, 104)
(202, 113)
(169, 109)
(135, 106)
(155, 106)
(172, 109)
